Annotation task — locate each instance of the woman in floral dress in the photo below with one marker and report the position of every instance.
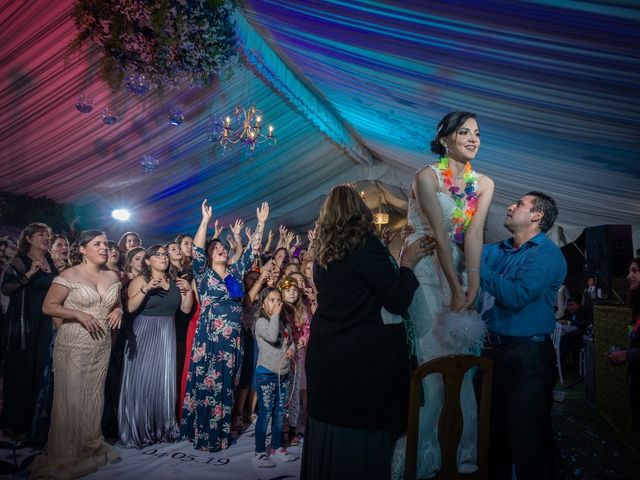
(216, 353)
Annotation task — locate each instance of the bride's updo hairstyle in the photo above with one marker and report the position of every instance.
(343, 225)
(451, 122)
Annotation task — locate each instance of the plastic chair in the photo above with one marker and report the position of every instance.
(452, 368)
(555, 337)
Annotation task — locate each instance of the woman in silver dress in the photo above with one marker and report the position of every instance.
(146, 413)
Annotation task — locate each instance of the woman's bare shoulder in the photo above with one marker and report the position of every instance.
(485, 182)
(111, 275)
(426, 175)
(70, 274)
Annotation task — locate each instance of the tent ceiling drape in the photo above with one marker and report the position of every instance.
(355, 90)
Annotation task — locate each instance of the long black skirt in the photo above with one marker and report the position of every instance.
(331, 452)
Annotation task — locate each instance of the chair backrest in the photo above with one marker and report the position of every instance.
(556, 335)
(452, 368)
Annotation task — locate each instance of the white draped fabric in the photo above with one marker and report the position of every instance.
(354, 90)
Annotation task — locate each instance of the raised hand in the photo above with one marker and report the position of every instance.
(207, 211)
(262, 212)
(267, 268)
(183, 285)
(152, 284)
(289, 238)
(309, 293)
(236, 228)
(217, 229)
(270, 235)
(247, 232)
(311, 234)
(231, 242)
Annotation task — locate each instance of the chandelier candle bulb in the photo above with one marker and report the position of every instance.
(244, 128)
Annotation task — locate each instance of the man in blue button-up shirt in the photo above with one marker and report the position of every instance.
(520, 278)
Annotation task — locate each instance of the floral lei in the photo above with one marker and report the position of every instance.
(466, 201)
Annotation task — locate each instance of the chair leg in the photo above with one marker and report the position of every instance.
(559, 367)
(581, 362)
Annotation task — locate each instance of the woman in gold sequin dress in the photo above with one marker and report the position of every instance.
(87, 300)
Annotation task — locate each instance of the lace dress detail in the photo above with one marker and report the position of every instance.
(80, 360)
(439, 331)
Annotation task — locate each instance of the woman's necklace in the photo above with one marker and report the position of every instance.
(466, 201)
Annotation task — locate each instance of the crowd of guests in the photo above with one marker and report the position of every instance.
(201, 336)
(194, 339)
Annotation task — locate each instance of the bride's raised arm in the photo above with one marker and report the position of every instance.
(473, 238)
(425, 187)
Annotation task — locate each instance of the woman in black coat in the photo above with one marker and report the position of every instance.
(357, 367)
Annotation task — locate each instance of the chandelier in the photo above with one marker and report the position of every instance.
(244, 127)
(381, 217)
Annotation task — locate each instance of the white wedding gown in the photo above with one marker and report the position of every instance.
(439, 332)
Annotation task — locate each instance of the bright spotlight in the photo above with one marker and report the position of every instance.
(121, 214)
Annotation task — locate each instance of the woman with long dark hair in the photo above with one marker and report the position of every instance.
(216, 353)
(85, 301)
(346, 437)
(449, 200)
(129, 241)
(146, 413)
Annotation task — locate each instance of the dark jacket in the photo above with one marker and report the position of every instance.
(357, 367)
(581, 318)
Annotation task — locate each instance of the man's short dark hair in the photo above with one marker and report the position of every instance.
(575, 299)
(547, 205)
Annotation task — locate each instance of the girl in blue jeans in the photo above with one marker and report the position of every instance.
(275, 350)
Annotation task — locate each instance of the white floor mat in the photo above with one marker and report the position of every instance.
(178, 460)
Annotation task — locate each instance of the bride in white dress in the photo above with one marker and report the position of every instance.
(449, 201)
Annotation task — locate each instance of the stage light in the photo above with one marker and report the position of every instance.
(121, 214)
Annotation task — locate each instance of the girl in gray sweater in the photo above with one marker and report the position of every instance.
(275, 351)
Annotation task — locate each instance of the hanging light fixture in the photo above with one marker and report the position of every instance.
(244, 127)
(381, 217)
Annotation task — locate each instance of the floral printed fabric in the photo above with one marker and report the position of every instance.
(216, 357)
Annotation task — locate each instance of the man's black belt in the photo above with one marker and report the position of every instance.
(494, 339)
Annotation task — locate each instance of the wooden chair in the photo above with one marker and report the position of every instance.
(452, 368)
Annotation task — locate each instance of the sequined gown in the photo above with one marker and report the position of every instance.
(80, 361)
(440, 332)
